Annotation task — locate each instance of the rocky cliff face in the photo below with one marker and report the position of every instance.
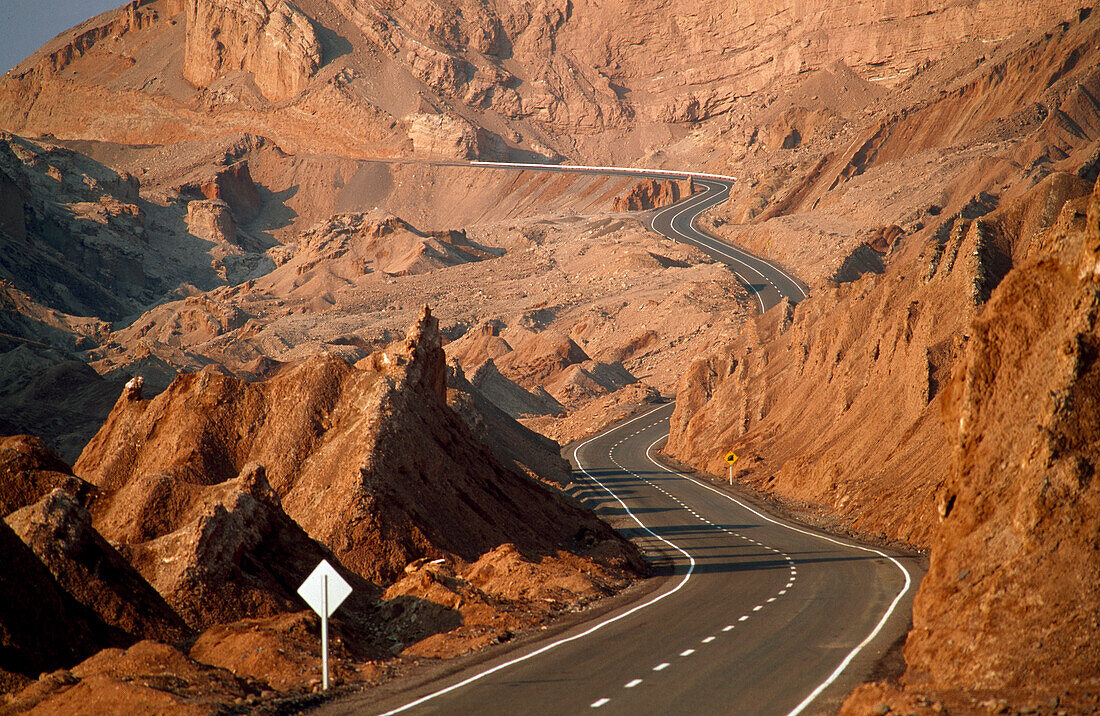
(1005, 617)
(602, 79)
(271, 40)
(834, 401)
(1010, 598)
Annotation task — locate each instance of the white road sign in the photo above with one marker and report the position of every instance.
(313, 589)
(324, 590)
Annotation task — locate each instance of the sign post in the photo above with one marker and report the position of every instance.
(324, 591)
(731, 457)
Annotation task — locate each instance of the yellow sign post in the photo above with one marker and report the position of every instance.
(731, 457)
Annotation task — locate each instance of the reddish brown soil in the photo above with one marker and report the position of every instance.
(42, 627)
(29, 470)
(149, 677)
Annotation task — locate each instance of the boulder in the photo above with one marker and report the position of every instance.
(271, 39)
(212, 220)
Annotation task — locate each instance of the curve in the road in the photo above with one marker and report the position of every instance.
(590, 630)
(692, 594)
(677, 222)
(766, 280)
(809, 618)
(881, 622)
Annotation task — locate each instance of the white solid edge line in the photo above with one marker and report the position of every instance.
(710, 244)
(713, 245)
(590, 630)
(771, 265)
(874, 632)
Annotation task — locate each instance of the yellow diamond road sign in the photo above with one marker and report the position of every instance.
(731, 457)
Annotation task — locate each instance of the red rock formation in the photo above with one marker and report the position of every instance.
(60, 532)
(211, 219)
(29, 470)
(220, 553)
(233, 185)
(1010, 600)
(42, 627)
(522, 450)
(369, 460)
(271, 39)
(283, 651)
(577, 77)
(653, 193)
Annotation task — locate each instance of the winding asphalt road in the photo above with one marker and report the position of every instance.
(753, 614)
(764, 279)
(767, 281)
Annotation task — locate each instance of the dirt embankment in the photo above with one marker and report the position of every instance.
(1007, 616)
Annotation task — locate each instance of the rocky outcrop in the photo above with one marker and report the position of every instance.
(353, 244)
(337, 442)
(212, 220)
(653, 193)
(29, 471)
(271, 39)
(284, 651)
(452, 137)
(510, 397)
(42, 627)
(521, 449)
(1010, 599)
(59, 530)
(233, 185)
(218, 553)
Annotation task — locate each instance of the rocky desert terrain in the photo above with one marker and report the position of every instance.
(221, 223)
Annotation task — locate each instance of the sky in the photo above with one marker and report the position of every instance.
(26, 25)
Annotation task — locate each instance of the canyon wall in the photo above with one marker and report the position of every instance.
(599, 81)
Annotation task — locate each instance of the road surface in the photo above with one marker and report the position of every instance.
(766, 280)
(753, 615)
